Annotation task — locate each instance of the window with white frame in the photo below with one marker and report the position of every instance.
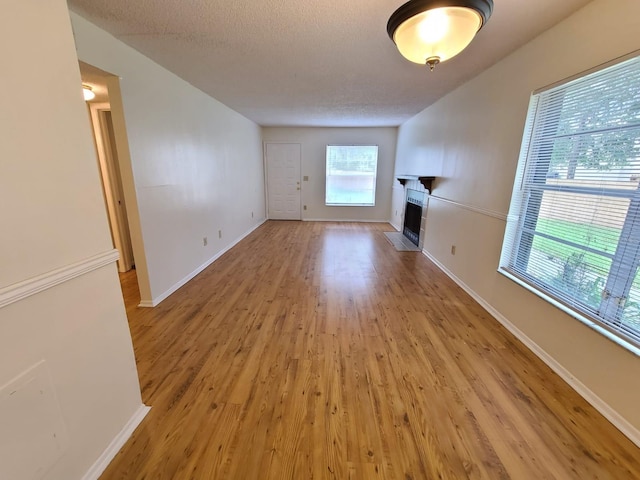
(573, 232)
(351, 175)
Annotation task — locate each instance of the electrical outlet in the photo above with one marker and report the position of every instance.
(205, 241)
(219, 233)
(453, 249)
(305, 178)
(304, 208)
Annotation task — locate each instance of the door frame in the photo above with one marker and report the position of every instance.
(112, 185)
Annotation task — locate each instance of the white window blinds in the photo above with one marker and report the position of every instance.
(574, 226)
(351, 175)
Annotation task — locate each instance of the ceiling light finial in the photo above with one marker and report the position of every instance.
(432, 62)
(437, 30)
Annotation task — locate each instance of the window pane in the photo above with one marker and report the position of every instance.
(588, 220)
(351, 175)
(631, 313)
(576, 276)
(611, 155)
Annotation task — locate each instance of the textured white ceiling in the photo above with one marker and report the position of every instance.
(319, 63)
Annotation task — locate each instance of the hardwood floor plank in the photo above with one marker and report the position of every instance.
(317, 351)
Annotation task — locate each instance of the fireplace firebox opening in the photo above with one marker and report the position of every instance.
(413, 216)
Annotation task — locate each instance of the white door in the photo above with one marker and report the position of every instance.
(283, 180)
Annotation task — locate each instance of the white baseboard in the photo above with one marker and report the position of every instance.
(156, 301)
(598, 403)
(343, 220)
(116, 444)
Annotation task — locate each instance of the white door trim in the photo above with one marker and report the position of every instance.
(113, 194)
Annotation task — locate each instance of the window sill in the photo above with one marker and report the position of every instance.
(627, 345)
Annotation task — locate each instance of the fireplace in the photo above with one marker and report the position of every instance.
(413, 215)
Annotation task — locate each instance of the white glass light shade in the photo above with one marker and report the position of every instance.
(442, 33)
(88, 93)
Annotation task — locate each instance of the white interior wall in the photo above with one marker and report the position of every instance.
(61, 307)
(472, 137)
(314, 142)
(197, 165)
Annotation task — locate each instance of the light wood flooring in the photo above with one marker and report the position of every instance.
(316, 350)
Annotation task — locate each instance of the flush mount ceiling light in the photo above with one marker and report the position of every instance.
(87, 91)
(432, 31)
